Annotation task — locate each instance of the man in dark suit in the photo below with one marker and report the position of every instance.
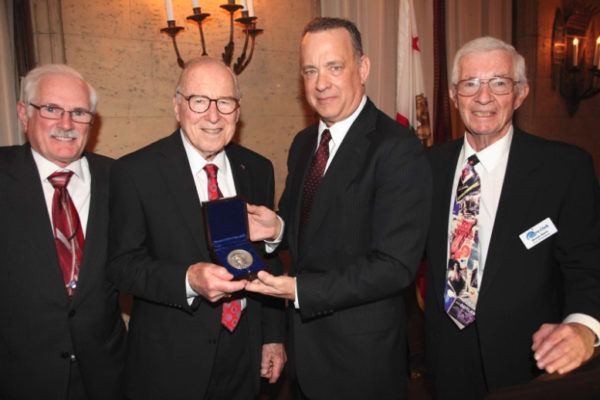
(178, 345)
(359, 244)
(528, 252)
(61, 332)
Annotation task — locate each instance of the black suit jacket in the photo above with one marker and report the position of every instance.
(157, 232)
(360, 248)
(521, 289)
(39, 326)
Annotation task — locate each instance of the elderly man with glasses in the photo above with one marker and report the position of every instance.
(515, 221)
(193, 333)
(61, 332)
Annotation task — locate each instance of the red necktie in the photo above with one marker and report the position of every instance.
(68, 235)
(313, 179)
(232, 310)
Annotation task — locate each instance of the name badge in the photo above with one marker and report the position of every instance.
(538, 233)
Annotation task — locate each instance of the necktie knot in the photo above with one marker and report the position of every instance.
(213, 186)
(473, 160)
(325, 138)
(211, 171)
(60, 179)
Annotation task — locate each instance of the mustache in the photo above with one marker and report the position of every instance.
(62, 134)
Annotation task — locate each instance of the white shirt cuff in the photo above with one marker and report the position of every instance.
(588, 321)
(271, 245)
(296, 301)
(190, 293)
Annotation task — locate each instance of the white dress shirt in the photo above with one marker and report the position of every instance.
(491, 170)
(224, 180)
(79, 186)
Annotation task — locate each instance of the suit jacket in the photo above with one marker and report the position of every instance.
(360, 248)
(39, 326)
(521, 289)
(157, 233)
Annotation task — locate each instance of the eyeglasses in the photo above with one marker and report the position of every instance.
(78, 115)
(497, 85)
(199, 104)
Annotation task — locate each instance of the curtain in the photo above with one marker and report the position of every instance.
(9, 130)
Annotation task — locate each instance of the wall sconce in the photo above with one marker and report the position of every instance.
(575, 55)
(248, 19)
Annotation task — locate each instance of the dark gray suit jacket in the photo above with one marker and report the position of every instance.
(360, 248)
(39, 326)
(521, 289)
(157, 231)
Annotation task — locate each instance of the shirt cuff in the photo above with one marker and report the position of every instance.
(588, 321)
(190, 293)
(296, 300)
(271, 245)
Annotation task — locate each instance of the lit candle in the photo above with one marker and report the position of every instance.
(251, 8)
(245, 5)
(196, 3)
(597, 52)
(169, 7)
(575, 51)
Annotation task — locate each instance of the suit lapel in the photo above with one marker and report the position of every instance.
(517, 190)
(439, 257)
(29, 202)
(345, 165)
(239, 169)
(176, 175)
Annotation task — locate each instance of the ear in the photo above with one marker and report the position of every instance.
(22, 113)
(453, 97)
(177, 107)
(522, 95)
(363, 68)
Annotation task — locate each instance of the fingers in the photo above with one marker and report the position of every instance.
(562, 348)
(213, 282)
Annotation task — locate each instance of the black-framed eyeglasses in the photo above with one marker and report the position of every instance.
(199, 104)
(498, 85)
(50, 111)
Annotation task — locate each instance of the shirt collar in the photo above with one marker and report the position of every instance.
(46, 167)
(339, 129)
(197, 162)
(492, 155)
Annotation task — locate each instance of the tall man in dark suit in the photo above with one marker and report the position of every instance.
(178, 346)
(61, 332)
(359, 244)
(513, 255)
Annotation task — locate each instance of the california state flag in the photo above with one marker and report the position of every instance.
(411, 103)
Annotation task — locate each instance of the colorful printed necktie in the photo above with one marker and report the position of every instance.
(313, 179)
(460, 298)
(232, 310)
(68, 234)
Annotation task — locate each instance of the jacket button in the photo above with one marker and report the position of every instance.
(71, 313)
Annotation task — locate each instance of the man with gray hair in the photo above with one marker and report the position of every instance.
(513, 252)
(62, 336)
(193, 332)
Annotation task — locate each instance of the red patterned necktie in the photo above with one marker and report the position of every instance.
(68, 235)
(462, 285)
(232, 310)
(314, 176)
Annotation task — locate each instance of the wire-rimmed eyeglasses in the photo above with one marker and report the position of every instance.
(498, 85)
(200, 104)
(50, 111)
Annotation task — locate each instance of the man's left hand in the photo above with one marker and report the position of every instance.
(562, 347)
(272, 362)
(277, 286)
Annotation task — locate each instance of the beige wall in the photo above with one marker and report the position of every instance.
(117, 46)
(544, 113)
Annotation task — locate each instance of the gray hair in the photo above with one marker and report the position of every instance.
(486, 44)
(31, 82)
(202, 61)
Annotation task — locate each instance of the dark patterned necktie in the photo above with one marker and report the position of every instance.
(232, 310)
(68, 234)
(314, 177)
(462, 288)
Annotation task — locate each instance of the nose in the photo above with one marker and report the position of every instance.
(322, 82)
(65, 121)
(484, 95)
(212, 114)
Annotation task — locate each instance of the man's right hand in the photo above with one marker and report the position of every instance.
(263, 223)
(213, 282)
